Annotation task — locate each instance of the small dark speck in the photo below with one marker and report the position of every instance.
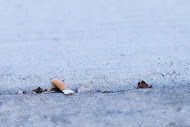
(98, 91)
(172, 124)
(178, 109)
(122, 91)
(107, 92)
(45, 117)
(104, 91)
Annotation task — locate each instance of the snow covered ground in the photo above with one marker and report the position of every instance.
(104, 45)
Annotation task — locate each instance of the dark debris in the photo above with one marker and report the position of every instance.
(104, 91)
(39, 90)
(143, 85)
(55, 90)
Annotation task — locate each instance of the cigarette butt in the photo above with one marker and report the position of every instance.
(57, 83)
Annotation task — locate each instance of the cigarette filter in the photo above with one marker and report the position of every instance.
(57, 83)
